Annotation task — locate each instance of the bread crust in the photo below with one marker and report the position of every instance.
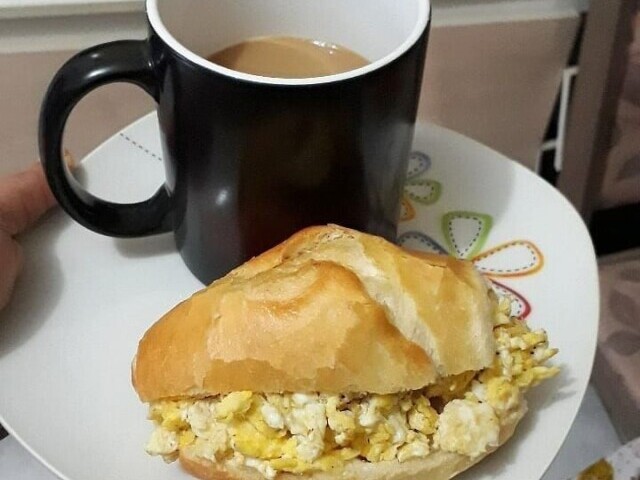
(438, 465)
(330, 310)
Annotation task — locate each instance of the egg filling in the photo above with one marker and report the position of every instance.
(305, 432)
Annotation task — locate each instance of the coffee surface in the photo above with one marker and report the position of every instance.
(288, 57)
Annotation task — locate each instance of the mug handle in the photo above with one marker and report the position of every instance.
(122, 61)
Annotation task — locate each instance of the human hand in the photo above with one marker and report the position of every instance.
(24, 198)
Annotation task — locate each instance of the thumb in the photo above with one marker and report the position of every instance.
(24, 198)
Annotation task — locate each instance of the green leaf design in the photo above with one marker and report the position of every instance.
(466, 232)
(424, 191)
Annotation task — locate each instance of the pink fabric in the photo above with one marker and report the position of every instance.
(621, 182)
(617, 368)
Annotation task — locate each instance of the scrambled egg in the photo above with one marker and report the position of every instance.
(303, 432)
(468, 427)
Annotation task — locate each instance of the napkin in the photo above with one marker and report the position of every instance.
(624, 464)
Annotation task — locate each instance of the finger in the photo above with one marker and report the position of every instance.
(11, 260)
(24, 198)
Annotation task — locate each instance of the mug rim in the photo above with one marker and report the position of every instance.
(422, 22)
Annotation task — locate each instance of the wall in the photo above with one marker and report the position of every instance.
(498, 83)
(495, 82)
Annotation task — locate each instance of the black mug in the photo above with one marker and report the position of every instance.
(250, 160)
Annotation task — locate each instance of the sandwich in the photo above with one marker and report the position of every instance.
(338, 355)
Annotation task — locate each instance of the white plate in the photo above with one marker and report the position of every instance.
(84, 300)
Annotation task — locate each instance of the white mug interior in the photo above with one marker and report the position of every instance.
(379, 30)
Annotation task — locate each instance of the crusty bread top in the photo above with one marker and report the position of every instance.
(331, 310)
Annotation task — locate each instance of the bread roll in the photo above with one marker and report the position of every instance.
(330, 310)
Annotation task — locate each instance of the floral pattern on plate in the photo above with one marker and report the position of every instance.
(423, 191)
(465, 235)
